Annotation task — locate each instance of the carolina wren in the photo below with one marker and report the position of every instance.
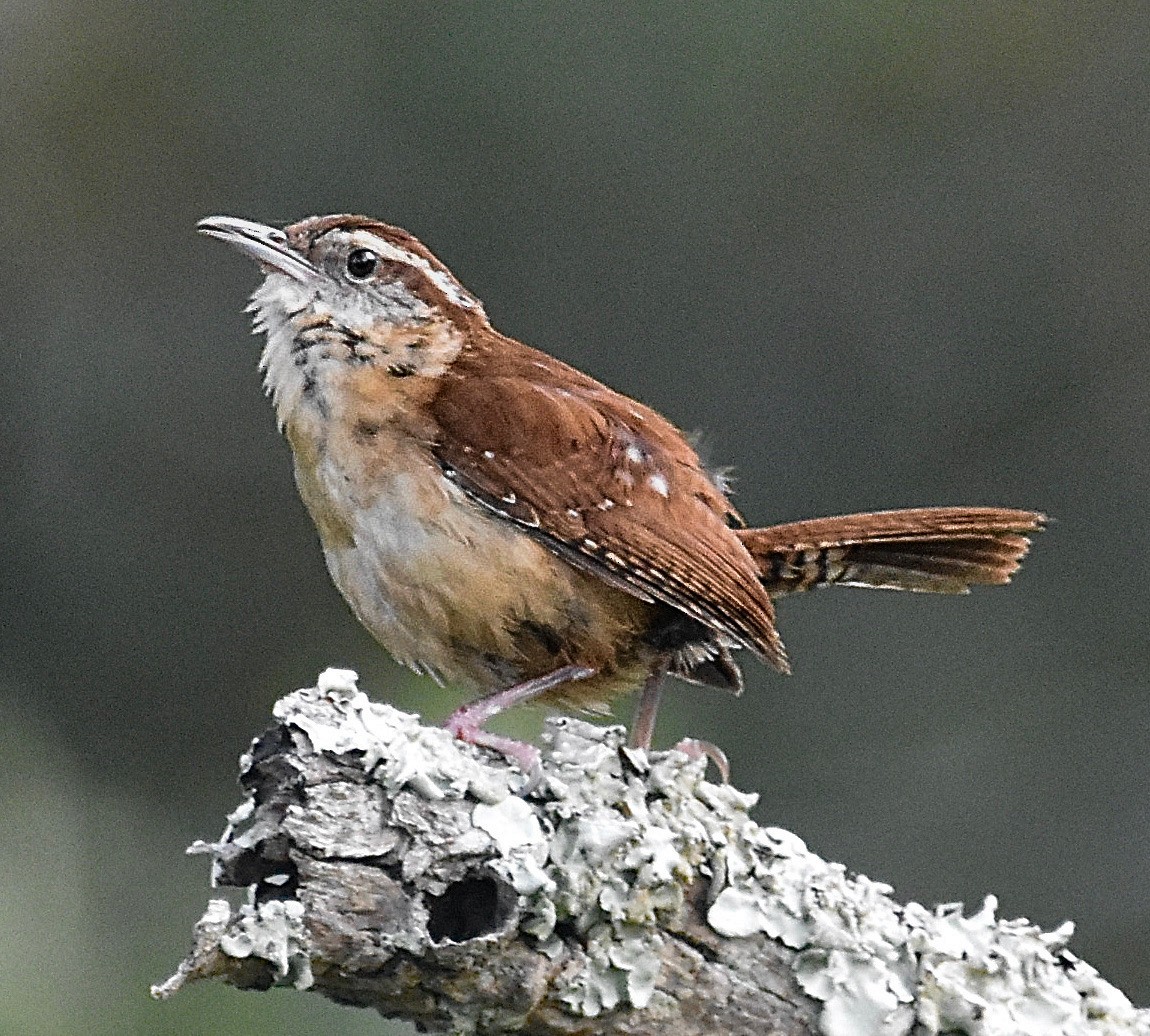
(498, 519)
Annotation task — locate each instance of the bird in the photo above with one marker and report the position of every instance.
(502, 521)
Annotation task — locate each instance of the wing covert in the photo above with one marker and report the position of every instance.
(607, 484)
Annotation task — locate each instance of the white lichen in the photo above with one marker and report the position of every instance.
(514, 829)
(605, 849)
(338, 718)
(273, 931)
(882, 969)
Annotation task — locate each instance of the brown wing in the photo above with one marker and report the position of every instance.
(603, 481)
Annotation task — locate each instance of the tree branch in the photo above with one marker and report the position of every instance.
(389, 866)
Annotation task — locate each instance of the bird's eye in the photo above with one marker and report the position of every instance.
(361, 264)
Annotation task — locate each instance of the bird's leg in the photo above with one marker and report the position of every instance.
(467, 722)
(643, 725)
(647, 708)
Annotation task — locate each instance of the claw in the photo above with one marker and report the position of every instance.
(693, 748)
(525, 756)
(466, 723)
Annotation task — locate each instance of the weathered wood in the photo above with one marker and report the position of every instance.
(392, 867)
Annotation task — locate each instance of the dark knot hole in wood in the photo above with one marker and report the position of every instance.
(474, 906)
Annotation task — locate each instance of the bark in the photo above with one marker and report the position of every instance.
(389, 866)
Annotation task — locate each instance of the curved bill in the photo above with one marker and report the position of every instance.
(268, 246)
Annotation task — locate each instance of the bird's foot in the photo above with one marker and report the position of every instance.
(466, 723)
(523, 755)
(693, 748)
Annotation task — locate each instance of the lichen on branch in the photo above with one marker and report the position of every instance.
(390, 866)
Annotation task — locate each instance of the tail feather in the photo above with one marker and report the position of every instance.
(925, 549)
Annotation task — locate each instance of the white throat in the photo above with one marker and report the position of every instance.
(275, 305)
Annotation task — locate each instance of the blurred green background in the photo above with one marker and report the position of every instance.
(882, 254)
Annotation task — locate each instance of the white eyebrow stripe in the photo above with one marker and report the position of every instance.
(443, 281)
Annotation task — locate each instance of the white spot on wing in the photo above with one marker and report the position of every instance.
(489, 454)
(635, 455)
(658, 483)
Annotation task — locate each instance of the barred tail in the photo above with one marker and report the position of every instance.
(943, 550)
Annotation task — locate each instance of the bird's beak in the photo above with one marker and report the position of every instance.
(268, 246)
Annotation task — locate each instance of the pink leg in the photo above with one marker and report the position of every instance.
(467, 722)
(643, 726)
